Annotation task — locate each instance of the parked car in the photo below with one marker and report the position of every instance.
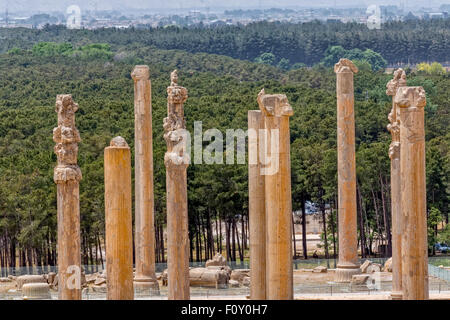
(442, 247)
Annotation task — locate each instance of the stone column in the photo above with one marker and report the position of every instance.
(145, 278)
(67, 176)
(176, 161)
(276, 112)
(411, 102)
(348, 264)
(118, 221)
(256, 208)
(399, 80)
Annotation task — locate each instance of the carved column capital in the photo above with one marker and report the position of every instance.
(140, 72)
(411, 101)
(274, 105)
(175, 125)
(345, 66)
(118, 142)
(66, 137)
(175, 93)
(399, 80)
(394, 150)
(410, 97)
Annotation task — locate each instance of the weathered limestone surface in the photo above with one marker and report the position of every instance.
(257, 208)
(348, 255)
(176, 161)
(118, 221)
(217, 261)
(374, 267)
(359, 279)
(211, 277)
(365, 265)
(411, 102)
(67, 176)
(388, 266)
(398, 81)
(233, 284)
(320, 269)
(225, 268)
(239, 275)
(276, 111)
(29, 278)
(51, 278)
(206, 277)
(38, 291)
(145, 277)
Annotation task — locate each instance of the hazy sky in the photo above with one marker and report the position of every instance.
(61, 5)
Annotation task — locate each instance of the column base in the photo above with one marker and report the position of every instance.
(397, 295)
(345, 272)
(146, 286)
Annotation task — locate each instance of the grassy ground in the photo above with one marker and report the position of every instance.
(440, 261)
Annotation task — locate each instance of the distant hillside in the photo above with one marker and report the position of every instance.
(410, 41)
(221, 91)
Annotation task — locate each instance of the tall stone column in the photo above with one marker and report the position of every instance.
(176, 161)
(257, 208)
(348, 264)
(276, 112)
(145, 278)
(67, 176)
(118, 221)
(399, 80)
(411, 102)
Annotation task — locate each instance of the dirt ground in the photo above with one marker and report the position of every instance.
(302, 280)
(308, 277)
(5, 286)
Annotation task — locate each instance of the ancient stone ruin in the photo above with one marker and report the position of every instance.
(270, 207)
(399, 80)
(145, 278)
(118, 221)
(271, 274)
(414, 248)
(67, 176)
(176, 161)
(348, 249)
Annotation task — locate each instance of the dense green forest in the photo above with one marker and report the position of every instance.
(411, 41)
(221, 91)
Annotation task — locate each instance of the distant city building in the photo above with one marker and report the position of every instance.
(93, 19)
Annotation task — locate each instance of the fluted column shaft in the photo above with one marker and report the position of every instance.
(411, 102)
(279, 271)
(348, 240)
(257, 209)
(118, 221)
(145, 277)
